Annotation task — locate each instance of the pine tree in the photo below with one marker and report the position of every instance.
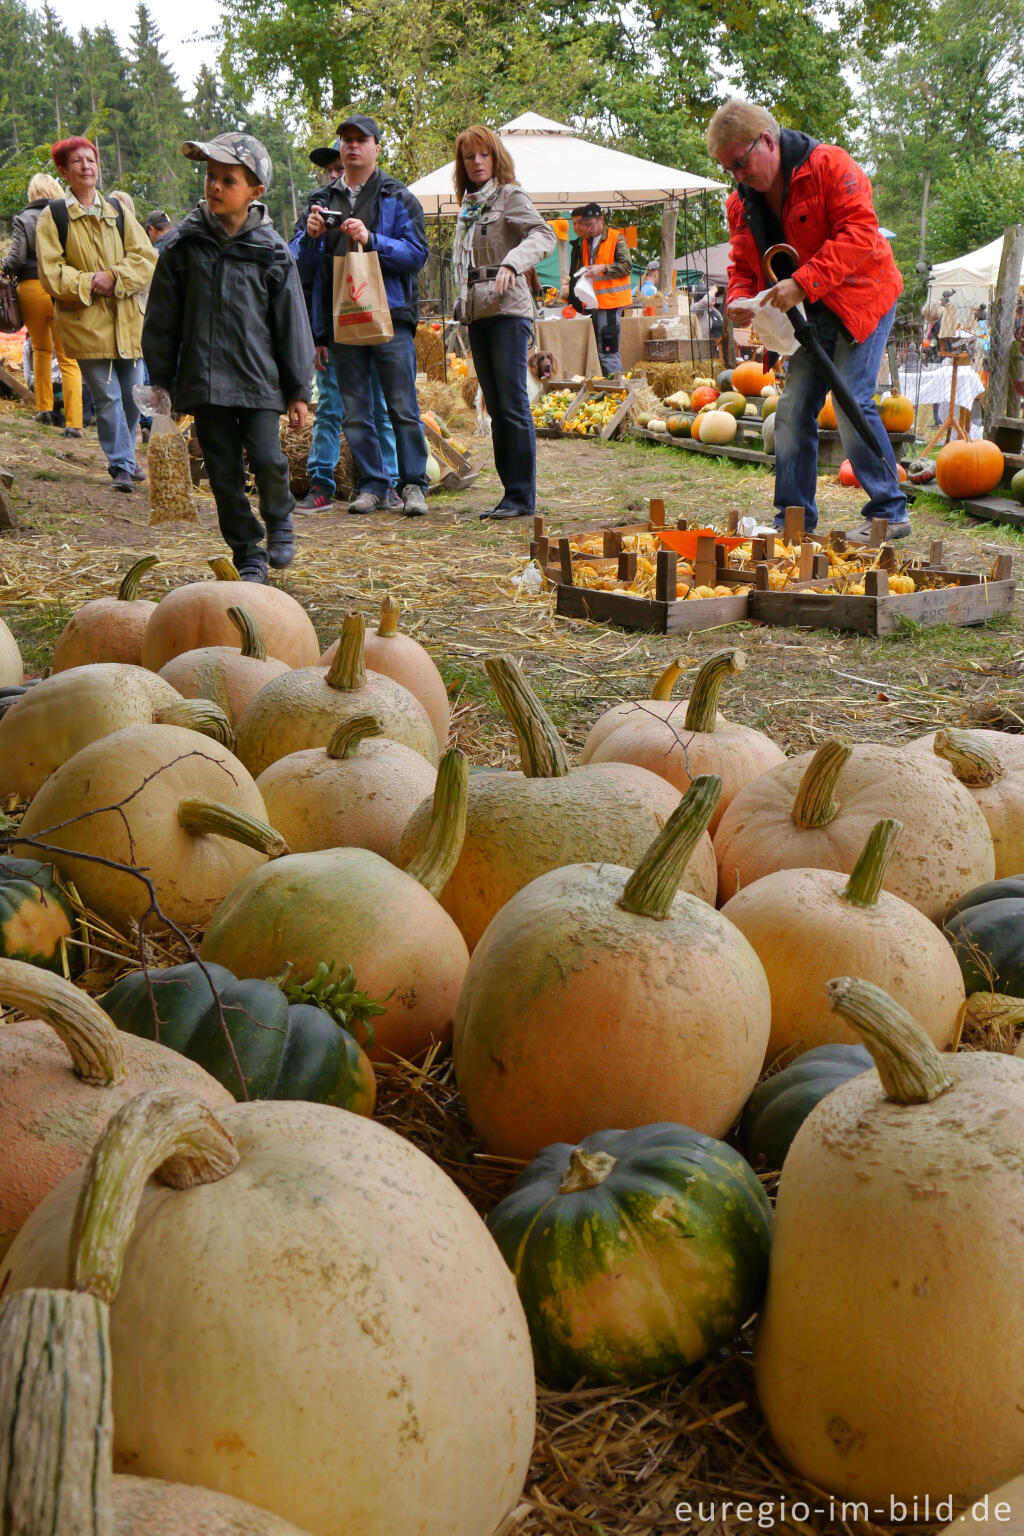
(157, 122)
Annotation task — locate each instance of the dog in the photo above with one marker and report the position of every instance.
(540, 366)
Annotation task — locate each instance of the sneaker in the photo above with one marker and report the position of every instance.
(138, 474)
(862, 535)
(121, 480)
(280, 544)
(44, 418)
(73, 432)
(367, 501)
(256, 572)
(144, 433)
(414, 503)
(315, 500)
(394, 501)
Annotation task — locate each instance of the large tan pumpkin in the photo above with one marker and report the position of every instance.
(230, 675)
(679, 739)
(599, 996)
(154, 774)
(890, 1352)
(12, 673)
(108, 628)
(808, 925)
(64, 1070)
(521, 825)
(990, 766)
(196, 615)
(400, 657)
(328, 1331)
(815, 812)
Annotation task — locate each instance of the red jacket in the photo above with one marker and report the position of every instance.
(829, 219)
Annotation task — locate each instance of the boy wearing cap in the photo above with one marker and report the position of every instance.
(377, 213)
(226, 334)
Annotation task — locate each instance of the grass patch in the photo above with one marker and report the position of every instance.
(37, 631)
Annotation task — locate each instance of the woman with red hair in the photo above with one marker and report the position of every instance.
(94, 259)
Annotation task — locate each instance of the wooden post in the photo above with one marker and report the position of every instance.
(669, 223)
(793, 525)
(1004, 306)
(656, 512)
(666, 575)
(565, 561)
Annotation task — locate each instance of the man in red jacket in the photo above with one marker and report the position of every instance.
(792, 190)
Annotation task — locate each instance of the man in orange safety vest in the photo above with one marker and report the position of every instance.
(603, 255)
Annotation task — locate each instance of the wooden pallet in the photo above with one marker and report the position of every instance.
(665, 613)
(990, 509)
(971, 599)
(721, 451)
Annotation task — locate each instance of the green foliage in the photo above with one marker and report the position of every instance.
(976, 203)
(338, 996)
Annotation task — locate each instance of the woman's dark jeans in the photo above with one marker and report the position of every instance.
(499, 346)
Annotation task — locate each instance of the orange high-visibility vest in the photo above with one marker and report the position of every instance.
(612, 292)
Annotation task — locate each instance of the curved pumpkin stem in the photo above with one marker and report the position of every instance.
(586, 1170)
(702, 710)
(254, 642)
(204, 818)
(346, 739)
(666, 682)
(388, 623)
(654, 884)
(223, 568)
(56, 1423)
(164, 1132)
(865, 883)
(909, 1064)
(439, 852)
(201, 715)
(541, 753)
(814, 805)
(128, 591)
(348, 669)
(93, 1043)
(972, 759)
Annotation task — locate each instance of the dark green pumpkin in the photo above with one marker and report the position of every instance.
(36, 917)
(284, 1051)
(986, 930)
(778, 1107)
(636, 1253)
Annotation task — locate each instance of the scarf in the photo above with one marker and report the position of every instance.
(473, 205)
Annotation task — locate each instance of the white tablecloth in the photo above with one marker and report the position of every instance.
(932, 385)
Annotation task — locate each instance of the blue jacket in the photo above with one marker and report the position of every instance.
(397, 233)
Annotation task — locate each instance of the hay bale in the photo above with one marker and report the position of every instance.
(430, 357)
(644, 399)
(434, 395)
(666, 378)
(468, 389)
(296, 450)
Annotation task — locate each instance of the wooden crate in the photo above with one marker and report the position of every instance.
(456, 470)
(550, 387)
(665, 613)
(544, 548)
(594, 389)
(972, 599)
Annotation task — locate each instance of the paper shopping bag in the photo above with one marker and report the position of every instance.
(361, 314)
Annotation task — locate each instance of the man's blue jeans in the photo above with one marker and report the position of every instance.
(499, 346)
(395, 365)
(796, 430)
(111, 381)
(327, 425)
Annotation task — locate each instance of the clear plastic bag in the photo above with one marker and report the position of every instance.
(170, 478)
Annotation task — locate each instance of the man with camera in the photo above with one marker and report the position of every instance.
(366, 207)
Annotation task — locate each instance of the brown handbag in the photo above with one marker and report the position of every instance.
(10, 310)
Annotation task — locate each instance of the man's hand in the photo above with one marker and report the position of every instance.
(102, 282)
(297, 411)
(785, 294)
(356, 230)
(315, 225)
(504, 281)
(321, 360)
(740, 312)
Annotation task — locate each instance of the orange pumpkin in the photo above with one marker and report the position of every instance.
(897, 413)
(705, 394)
(678, 426)
(969, 469)
(846, 475)
(827, 415)
(751, 378)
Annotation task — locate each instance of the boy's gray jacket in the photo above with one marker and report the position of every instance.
(226, 321)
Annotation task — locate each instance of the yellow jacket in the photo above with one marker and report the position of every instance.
(92, 324)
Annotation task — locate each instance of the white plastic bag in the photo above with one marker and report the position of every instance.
(773, 326)
(583, 292)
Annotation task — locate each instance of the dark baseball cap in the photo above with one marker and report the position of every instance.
(366, 125)
(590, 211)
(233, 149)
(327, 154)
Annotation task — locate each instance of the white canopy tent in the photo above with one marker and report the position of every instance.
(558, 171)
(971, 277)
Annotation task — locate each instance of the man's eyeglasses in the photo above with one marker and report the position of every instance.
(739, 166)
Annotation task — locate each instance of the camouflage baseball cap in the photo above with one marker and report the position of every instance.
(233, 149)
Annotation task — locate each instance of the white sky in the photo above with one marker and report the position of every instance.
(182, 24)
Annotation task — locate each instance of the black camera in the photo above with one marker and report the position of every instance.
(332, 217)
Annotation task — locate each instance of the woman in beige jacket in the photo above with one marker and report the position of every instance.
(499, 236)
(94, 268)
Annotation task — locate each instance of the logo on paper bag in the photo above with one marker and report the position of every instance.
(350, 311)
